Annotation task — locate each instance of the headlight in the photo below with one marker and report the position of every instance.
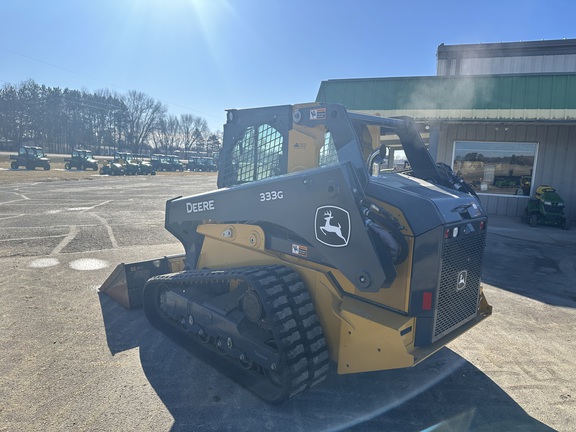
(560, 204)
(547, 203)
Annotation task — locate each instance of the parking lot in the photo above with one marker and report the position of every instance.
(73, 359)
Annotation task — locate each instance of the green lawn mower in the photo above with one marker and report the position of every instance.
(547, 208)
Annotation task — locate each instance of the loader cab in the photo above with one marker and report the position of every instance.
(263, 143)
(255, 145)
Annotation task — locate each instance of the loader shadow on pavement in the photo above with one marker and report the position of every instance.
(200, 398)
(535, 262)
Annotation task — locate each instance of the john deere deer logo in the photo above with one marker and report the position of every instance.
(461, 284)
(332, 226)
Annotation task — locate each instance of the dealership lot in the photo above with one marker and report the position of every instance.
(72, 359)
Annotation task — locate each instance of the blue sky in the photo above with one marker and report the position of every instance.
(204, 56)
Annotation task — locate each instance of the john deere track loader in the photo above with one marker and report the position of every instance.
(316, 249)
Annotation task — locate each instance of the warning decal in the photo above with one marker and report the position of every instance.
(318, 114)
(300, 250)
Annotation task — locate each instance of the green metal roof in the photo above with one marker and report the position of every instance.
(547, 96)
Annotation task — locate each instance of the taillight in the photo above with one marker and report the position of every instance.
(451, 232)
(426, 301)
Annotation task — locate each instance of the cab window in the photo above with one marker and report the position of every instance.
(258, 154)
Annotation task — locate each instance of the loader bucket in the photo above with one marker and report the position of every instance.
(126, 282)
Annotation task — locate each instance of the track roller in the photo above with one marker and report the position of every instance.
(256, 324)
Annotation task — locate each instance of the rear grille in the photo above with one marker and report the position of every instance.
(459, 290)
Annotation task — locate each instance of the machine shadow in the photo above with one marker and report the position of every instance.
(525, 267)
(444, 392)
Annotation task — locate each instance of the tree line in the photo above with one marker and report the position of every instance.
(512, 159)
(60, 120)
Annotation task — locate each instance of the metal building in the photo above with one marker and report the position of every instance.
(555, 56)
(502, 115)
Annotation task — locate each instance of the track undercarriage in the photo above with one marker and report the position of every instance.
(259, 320)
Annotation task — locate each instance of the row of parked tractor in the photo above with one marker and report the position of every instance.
(123, 163)
(128, 164)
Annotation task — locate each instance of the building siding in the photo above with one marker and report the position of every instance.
(467, 97)
(533, 57)
(507, 65)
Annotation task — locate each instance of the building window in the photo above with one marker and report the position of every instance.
(501, 168)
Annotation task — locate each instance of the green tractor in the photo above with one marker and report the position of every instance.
(144, 165)
(114, 167)
(546, 208)
(160, 162)
(175, 163)
(30, 157)
(131, 165)
(81, 160)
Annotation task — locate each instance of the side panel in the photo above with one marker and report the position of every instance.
(360, 336)
(316, 205)
(373, 339)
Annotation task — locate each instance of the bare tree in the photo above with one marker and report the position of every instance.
(166, 136)
(103, 121)
(143, 115)
(193, 130)
(108, 121)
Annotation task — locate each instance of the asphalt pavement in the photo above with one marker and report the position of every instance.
(73, 359)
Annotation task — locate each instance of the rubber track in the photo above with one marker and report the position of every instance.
(291, 316)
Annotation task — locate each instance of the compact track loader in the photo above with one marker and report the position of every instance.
(316, 249)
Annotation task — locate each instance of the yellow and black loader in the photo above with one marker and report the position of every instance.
(316, 249)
